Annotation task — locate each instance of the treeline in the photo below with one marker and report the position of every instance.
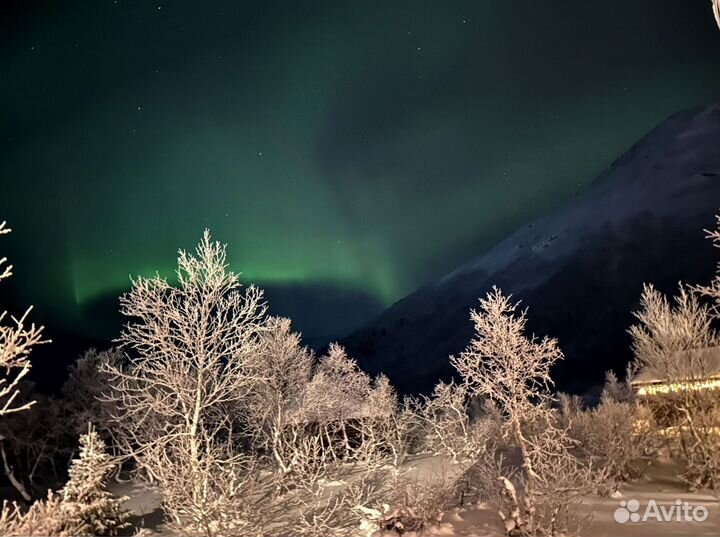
(242, 430)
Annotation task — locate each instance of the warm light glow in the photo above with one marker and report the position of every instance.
(679, 387)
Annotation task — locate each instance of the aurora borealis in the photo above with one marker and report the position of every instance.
(361, 146)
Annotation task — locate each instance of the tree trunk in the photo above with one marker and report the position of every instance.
(11, 476)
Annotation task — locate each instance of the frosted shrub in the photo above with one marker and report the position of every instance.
(17, 338)
(447, 424)
(82, 507)
(388, 428)
(618, 435)
(676, 344)
(43, 517)
(85, 388)
(193, 353)
(512, 370)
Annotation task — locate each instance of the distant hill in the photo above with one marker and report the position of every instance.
(579, 270)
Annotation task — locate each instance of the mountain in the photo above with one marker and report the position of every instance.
(579, 270)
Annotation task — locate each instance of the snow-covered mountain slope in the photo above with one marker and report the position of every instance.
(579, 270)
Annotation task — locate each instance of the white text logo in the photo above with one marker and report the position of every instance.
(630, 511)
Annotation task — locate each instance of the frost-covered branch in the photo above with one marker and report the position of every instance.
(512, 371)
(192, 361)
(17, 337)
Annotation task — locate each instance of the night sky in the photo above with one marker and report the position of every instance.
(357, 149)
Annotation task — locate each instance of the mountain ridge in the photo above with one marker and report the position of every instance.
(640, 220)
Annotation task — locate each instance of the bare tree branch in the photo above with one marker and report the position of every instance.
(16, 341)
(193, 360)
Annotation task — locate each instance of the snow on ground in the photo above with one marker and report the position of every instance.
(143, 502)
(660, 485)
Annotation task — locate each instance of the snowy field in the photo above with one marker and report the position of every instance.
(480, 520)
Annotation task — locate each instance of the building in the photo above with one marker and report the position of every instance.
(694, 378)
(696, 370)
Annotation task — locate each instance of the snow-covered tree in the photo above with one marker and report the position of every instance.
(16, 341)
(676, 344)
(44, 517)
(512, 371)
(83, 391)
(338, 389)
(671, 338)
(275, 400)
(618, 433)
(192, 360)
(86, 502)
(616, 390)
(446, 421)
(334, 400)
(387, 426)
(83, 507)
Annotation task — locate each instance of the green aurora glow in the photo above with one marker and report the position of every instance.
(370, 146)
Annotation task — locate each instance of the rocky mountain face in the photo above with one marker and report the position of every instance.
(579, 270)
